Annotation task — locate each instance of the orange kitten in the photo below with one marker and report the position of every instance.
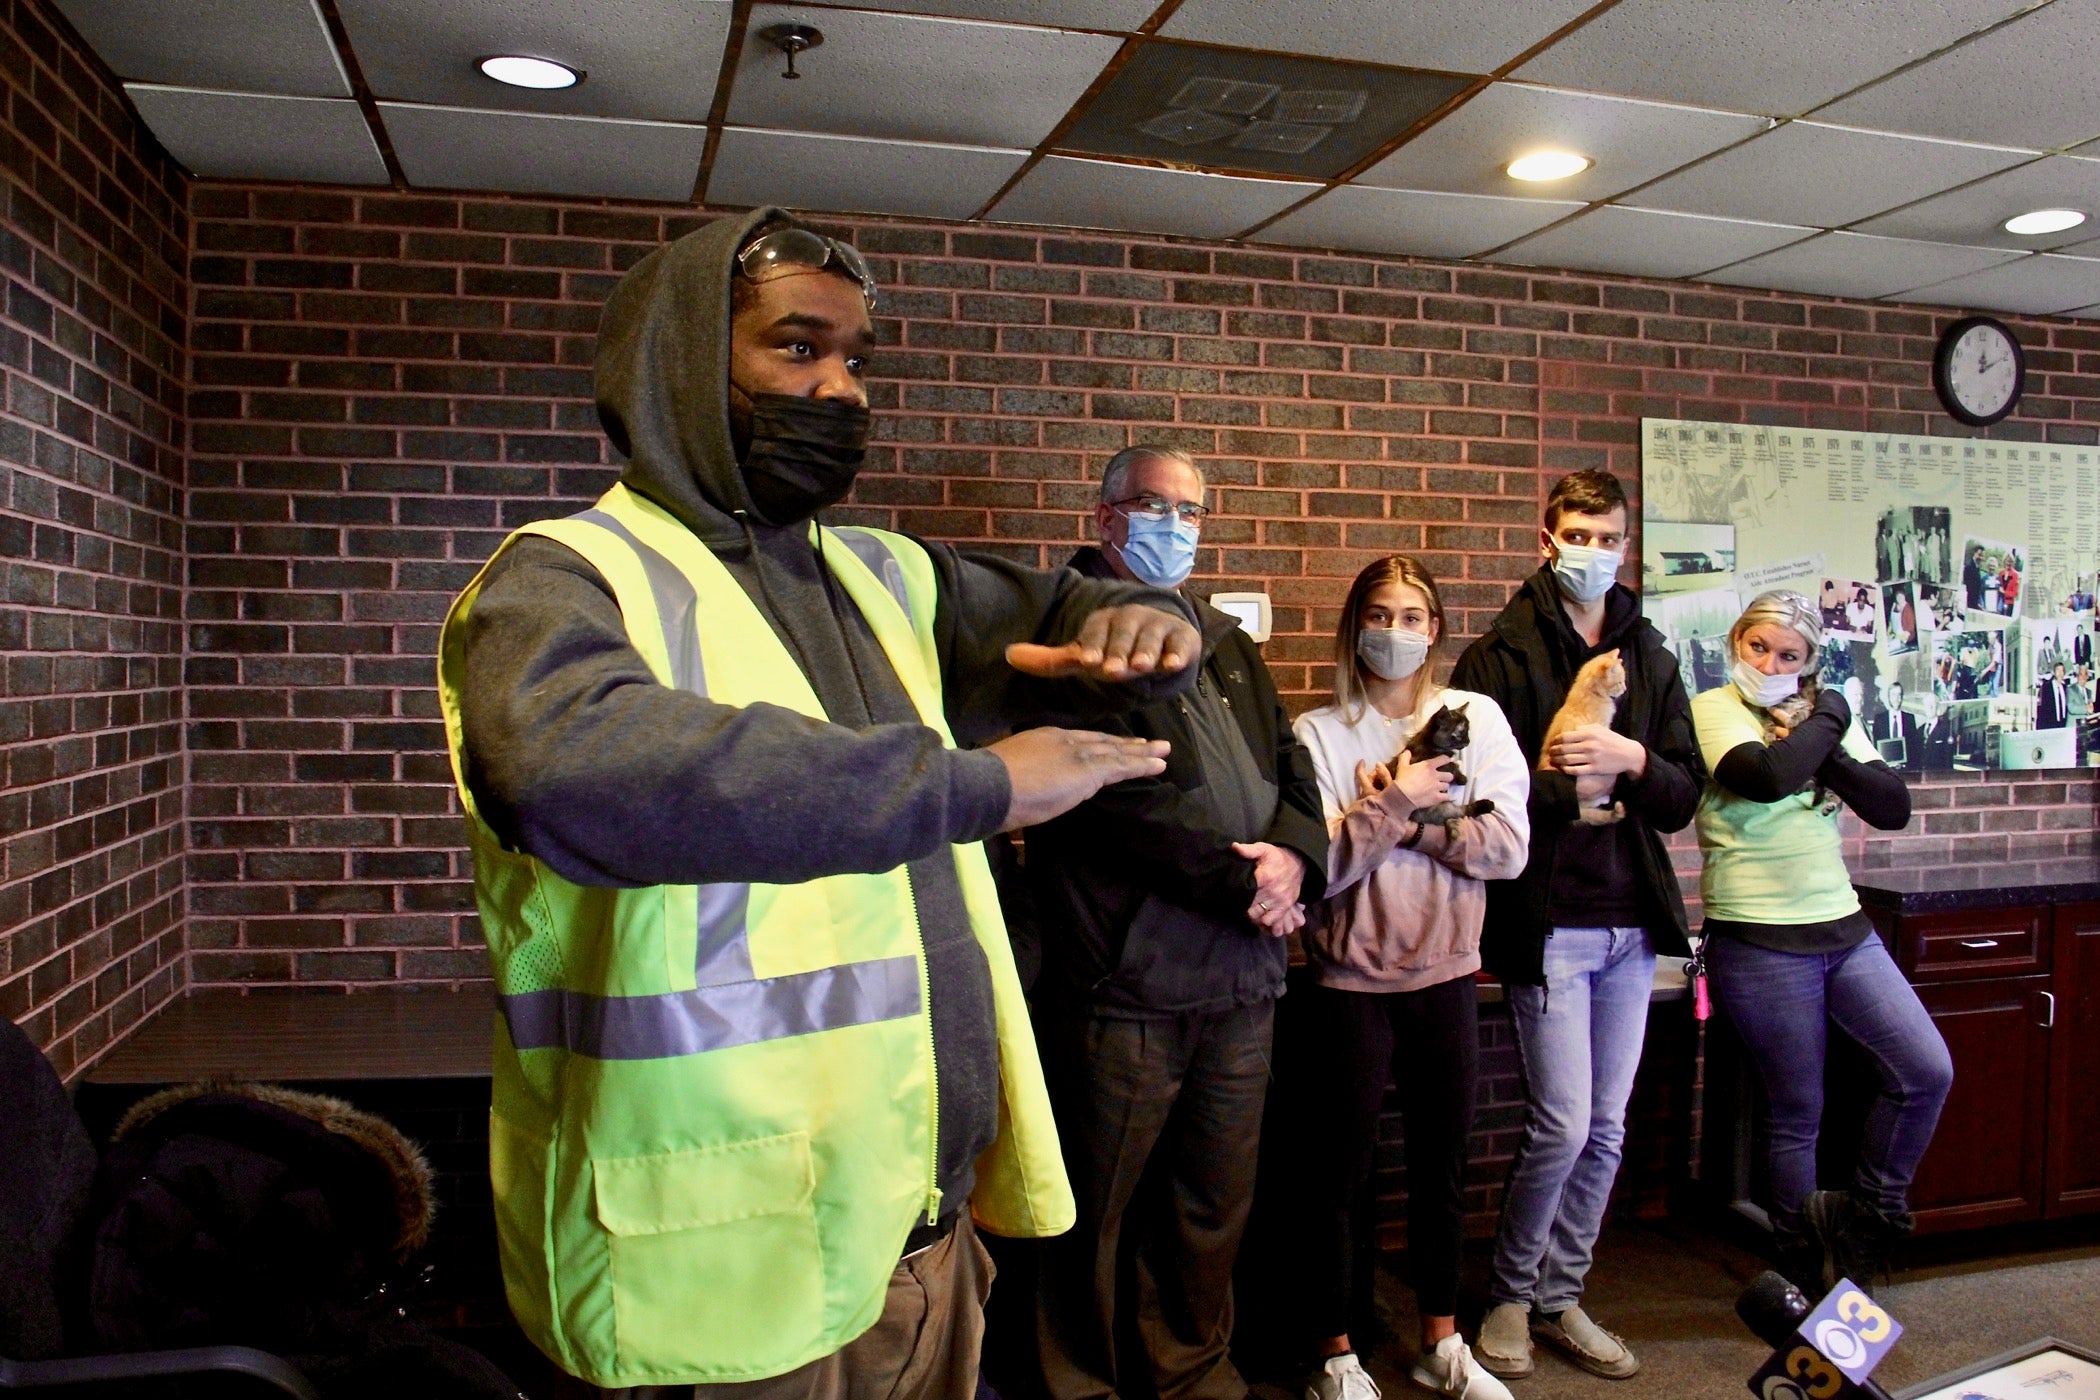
(1592, 699)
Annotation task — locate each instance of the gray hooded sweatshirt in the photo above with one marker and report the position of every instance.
(578, 756)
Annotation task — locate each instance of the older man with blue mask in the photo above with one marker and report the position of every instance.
(1163, 906)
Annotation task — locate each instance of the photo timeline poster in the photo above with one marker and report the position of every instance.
(1955, 578)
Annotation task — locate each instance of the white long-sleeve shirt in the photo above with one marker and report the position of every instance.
(1398, 919)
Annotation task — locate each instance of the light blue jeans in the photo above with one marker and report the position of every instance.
(1783, 1005)
(1579, 1043)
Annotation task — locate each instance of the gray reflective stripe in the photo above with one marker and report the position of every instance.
(676, 605)
(881, 563)
(714, 1018)
(724, 950)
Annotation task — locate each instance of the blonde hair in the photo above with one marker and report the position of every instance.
(1784, 608)
(1348, 677)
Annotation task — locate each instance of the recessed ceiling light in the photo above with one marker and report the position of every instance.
(524, 72)
(1548, 165)
(2044, 221)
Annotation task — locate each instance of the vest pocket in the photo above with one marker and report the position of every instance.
(715, 1264)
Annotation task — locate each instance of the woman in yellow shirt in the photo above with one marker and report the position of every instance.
(1788, 950)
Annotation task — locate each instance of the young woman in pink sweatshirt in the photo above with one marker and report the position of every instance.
(1393, 956)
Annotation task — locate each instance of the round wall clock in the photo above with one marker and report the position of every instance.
(1979, 370)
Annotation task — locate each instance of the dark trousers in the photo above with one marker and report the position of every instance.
(1174, 1102)
(1427, 1042)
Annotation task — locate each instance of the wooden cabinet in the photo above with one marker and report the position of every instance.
(2071, 1181)
(2016, 993)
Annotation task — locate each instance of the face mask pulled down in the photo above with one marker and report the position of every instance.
(1392, 653)
(1586, 573)
(1160, 552)
(803, 454)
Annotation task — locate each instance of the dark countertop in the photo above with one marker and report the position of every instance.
(1942, 889)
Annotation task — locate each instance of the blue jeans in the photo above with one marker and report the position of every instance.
(1579, 1042)
(1782, 1005)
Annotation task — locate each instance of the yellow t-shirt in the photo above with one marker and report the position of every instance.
(1767, 862)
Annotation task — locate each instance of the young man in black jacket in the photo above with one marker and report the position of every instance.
(1163, 904)
(1575, 937)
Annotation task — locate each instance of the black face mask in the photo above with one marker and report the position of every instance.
(803, 455)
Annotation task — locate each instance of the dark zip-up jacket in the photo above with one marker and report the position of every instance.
(1141, 900)
(1525, 662)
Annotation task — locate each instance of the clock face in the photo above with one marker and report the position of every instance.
(1979, 371)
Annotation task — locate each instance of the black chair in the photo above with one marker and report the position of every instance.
(49, 1168)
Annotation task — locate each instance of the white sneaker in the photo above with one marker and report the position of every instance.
(1451, 1370)
(1342, 1378)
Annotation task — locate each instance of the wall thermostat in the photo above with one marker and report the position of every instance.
(1250, 609)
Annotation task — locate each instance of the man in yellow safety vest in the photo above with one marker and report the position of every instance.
(761, 1040)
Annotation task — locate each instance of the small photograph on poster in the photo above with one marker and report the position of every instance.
(1851, 609)
(2080, 598)
(1901, 616)
(1969, 665)
(1991, 576)
(1677, 557)
(1968, 732)
(1939, 607)
(1695, 625)
(2057, 670)
(1914, 542)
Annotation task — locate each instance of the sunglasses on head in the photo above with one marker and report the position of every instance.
(802, 248)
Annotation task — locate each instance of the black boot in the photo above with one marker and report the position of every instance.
(1851, 1238)
(1800, 1259)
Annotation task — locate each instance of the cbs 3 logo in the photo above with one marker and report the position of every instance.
(1813, 1374)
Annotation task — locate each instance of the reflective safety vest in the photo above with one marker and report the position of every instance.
(714, 1116)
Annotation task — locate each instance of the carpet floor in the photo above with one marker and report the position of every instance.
(1671, 1293)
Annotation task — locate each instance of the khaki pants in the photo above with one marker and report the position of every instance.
(923, 1347)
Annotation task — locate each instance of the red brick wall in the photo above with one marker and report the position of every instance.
(383, 385)
(94, 236)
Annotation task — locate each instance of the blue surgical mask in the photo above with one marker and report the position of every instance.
(1586, 573)
(1160, 552)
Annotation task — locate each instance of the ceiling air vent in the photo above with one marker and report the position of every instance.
(1234, 110)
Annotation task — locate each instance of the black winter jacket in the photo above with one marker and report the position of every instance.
(1525, 663)
(1141, 900)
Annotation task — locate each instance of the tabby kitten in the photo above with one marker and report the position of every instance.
(1593, 698)
(1445, 734)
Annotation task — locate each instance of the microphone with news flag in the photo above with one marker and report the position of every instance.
(1827, 1352)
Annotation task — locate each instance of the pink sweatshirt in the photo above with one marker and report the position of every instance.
(1399, 919)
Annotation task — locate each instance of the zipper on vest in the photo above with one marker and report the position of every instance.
(933, 1068)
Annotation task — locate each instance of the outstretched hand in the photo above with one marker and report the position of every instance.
(1054, 770)
(1114, 644)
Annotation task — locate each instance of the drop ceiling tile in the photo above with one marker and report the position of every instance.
(2042, 284)
(1648, 242)
(1421, 223)
(1810, 173)
(914, 78)
(1238, 111)
(847, 175)
(651, 59)
(1858, 266)
(456, 148)
(1122, 16)
(271, 46)
(2027, 84)
(1456, 36)
(1630, 141)
(1143, 199)
(252, 136)
(1977, 213)
(1778, 61)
